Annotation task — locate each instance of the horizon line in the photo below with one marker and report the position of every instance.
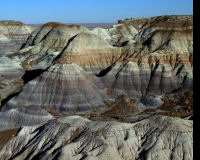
(98, 22)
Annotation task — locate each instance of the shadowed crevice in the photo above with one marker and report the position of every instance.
(58, 56)
(105, 71)
(30, 75)
(4, 101)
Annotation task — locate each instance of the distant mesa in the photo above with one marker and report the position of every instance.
(53, 24)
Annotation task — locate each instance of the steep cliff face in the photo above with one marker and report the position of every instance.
(77, 138)
(12, 35)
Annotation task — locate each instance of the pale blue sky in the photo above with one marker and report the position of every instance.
(89, 11)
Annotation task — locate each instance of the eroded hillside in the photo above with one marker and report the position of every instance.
(136, 70)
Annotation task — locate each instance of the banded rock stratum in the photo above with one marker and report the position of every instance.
(138, 71)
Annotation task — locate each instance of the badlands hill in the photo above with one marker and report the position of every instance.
(12, 35)
(138, 69)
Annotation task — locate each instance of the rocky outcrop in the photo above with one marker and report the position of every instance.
(12, 35)
(77, 138)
